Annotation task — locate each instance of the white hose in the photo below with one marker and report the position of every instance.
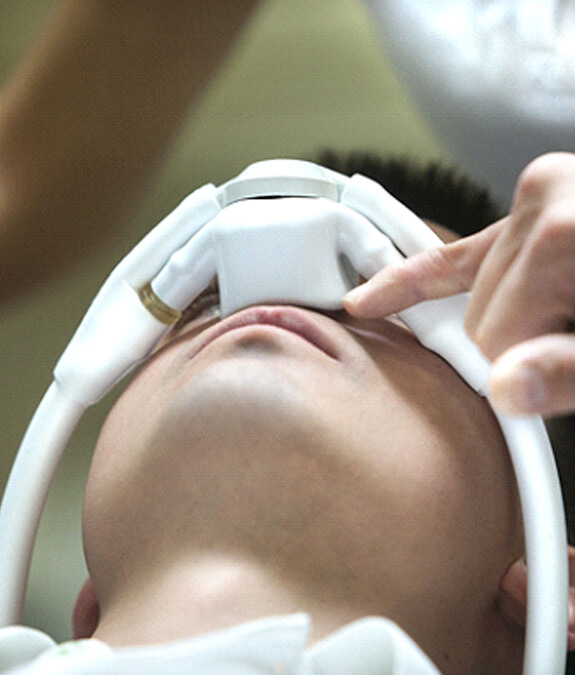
(25, 495)
(545, 543)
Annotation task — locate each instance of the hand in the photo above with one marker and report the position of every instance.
(521, 274)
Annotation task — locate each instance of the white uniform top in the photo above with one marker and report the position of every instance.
(494, 78)
(276, 645)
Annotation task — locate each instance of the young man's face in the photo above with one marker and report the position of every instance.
(342, 452)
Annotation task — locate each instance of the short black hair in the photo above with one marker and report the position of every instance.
(434, 190)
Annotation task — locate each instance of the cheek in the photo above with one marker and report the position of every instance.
(433, 450)
(135, 415)
(113, 486)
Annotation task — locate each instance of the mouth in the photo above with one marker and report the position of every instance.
(288, 318)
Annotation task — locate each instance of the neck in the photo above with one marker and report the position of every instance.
(213, 592)
(210, 594)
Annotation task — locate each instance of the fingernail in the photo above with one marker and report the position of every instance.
(518, 388)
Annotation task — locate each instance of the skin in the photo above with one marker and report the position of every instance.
(258, 474)
(521, 277)
(87, 118)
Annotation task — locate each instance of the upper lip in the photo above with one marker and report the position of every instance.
(291, 319)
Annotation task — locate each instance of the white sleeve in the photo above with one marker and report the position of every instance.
(494, 78)
(69, 658)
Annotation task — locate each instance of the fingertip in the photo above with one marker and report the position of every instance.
(354, 300)
(368, 301)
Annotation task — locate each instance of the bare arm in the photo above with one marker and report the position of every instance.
(88, 116)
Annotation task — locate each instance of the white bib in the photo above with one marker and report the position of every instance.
(270, 646)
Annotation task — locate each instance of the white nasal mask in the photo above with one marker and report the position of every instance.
(283, 231)
(296, 256)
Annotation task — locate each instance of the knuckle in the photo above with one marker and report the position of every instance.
(435, 261)
(456, 263)
(409, 279)
(541, 172)
(533, 179)
(436, 275)
(438, 262)
(554, 232)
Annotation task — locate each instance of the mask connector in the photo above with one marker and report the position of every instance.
(157, 308)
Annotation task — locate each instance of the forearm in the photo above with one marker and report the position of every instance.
(86, 119)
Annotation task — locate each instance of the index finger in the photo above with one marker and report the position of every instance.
(436, 273)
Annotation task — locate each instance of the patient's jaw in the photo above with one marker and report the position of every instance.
(265, 475)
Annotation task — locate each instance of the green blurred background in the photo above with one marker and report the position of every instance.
(306, 75)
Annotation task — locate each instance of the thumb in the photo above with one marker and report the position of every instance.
(537, 376)
(435, 273)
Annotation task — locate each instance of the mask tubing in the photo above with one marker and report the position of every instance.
(25, 495)
(546, 544)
